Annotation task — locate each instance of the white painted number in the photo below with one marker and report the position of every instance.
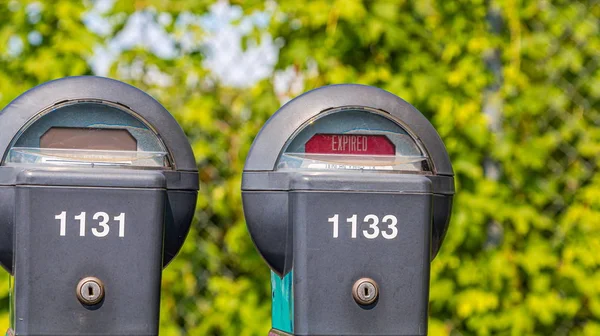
(121, 219)
(372, 231)
(352, 220)
(373, 225)
(333, 220)
(63, 222)
(81, 219)
(102, 223)
(101, 219)
(392, 220)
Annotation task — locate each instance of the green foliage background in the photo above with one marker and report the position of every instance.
(512, 86)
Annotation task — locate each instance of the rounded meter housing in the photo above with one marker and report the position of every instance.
(340, 130)
(67, 130)
(346, 183)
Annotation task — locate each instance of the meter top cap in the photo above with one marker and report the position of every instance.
(348, 136)
(376, 131)
(352, 128)
(56, 123)
(95, 123)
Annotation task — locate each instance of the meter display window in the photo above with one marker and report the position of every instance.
(88, 138)
(357, 139)
(95, 134)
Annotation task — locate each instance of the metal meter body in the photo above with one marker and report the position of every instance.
(347, 192)
(98, 187)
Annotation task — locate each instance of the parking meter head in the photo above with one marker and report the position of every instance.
(95, 123)
(339, 130)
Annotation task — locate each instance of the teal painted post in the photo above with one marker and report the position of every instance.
(282, 306)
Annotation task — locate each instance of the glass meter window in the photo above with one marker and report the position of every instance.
(354, 139)
(95, 134)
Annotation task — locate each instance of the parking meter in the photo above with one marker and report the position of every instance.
(347, 193)
(98, 187)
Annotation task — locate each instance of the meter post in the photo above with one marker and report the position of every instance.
(98, 187)
(347, 193)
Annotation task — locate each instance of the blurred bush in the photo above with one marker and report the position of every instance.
(512, 86)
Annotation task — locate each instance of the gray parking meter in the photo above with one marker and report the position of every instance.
(348, 190)
(98, 187)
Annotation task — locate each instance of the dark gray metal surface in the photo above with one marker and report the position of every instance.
(106, 178)
(7, 209)
(267, 215)
(267, 212)
(181, 201)
(325, 268)
(280, 180)
(276, 132)
(49, 266)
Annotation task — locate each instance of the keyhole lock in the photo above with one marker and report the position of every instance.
(365, 291)
(90, 291)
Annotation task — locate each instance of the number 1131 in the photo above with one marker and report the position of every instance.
(101, 219)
